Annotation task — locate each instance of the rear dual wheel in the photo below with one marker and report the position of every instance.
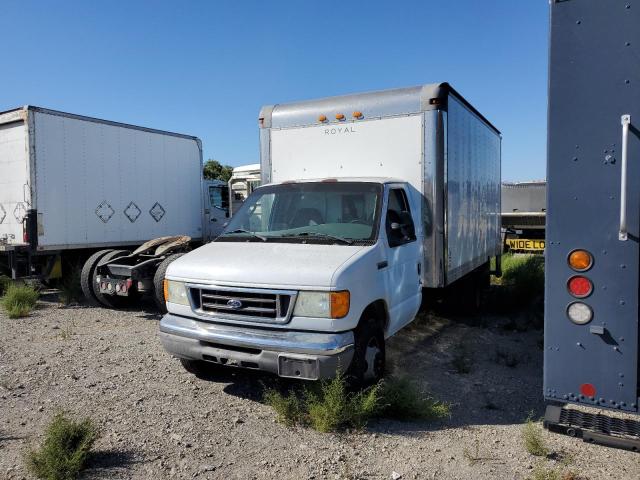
(87, 277)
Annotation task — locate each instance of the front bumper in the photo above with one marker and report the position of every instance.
(296, 354)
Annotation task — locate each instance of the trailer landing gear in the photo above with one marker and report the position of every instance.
(593, 428)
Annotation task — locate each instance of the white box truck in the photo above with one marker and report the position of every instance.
(76, 190)
(367, 201)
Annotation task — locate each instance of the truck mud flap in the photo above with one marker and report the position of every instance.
(594, 428)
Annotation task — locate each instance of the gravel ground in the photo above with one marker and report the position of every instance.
(157, 421)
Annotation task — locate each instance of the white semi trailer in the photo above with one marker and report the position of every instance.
(367, 200)
(81, 191)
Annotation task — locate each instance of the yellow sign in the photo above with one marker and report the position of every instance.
(525, 244)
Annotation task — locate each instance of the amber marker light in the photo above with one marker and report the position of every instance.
(357, 114)
(580, 260)
(339, 304)
(322, 118)
(165, 288)
(339, 116)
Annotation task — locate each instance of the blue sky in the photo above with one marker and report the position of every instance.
(205, 68)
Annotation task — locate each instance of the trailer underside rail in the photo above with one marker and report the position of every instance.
(606, 430)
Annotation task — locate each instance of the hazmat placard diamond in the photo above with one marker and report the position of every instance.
(132, 212)
(105, 212)
(157, 212)
(19, 212)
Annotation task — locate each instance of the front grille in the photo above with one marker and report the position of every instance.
(249, 304)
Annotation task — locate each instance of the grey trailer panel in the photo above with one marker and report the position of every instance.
(523, 197)
(594, 80)
(472, 191)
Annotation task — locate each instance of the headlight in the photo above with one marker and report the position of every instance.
(175, 292)
(322, 304)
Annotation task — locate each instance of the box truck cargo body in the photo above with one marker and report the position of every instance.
(71, 184)
(428, 136)
(366, 200)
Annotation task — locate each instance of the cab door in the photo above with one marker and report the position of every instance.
(402, 265)
(216, 209)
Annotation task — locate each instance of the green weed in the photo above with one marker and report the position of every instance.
(19, 300)
(532, 437)
(330, 406)
(64, 450)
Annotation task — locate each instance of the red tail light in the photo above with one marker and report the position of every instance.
(25, 235)
(580, 286)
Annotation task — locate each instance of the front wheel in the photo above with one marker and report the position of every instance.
(369, 358)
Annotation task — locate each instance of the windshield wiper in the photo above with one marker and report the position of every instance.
(321, 235)
(242, 230)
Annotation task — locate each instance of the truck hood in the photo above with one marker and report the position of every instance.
(275, 265)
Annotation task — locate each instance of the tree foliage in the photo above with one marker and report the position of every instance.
(214, 170)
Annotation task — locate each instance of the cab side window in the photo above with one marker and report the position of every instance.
(219, 197)
(399, 223)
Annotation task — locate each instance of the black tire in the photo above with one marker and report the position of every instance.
(199, 368)
(112, 301)
(369, 357)
(87, 277)
(158, 281)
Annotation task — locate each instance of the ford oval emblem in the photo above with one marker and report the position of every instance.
(235, 304)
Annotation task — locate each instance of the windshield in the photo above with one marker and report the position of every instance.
(331, 212)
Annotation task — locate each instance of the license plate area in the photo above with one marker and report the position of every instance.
(298, 367)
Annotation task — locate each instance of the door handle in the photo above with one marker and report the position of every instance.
(383, 264)
(214, 219)
(625, 120)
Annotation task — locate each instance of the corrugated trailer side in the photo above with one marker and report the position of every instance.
(103, 183)
(472, 190)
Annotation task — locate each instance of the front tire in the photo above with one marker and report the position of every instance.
(369, 356)
(199, 368)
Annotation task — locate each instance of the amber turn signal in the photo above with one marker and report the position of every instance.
(580, 260)
(322, 118)
(339, 304)
(357, 114)
(165, 289)
(339, 116)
